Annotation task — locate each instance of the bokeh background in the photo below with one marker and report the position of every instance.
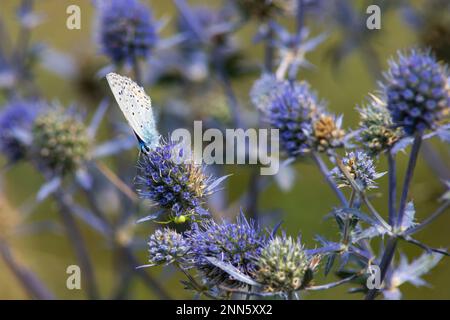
(303, 207)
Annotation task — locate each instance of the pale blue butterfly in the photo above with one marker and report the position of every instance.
(136, 106)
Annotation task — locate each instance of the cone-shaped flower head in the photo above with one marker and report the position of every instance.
(292, 111)
(418, 92)
(266, 88)
(238, 244)
(284, 265)
(126, 30)
(167, 246)
(172, 181)
(295, 110)
(361, 168)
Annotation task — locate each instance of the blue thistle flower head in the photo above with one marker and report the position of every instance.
(180, 187)
(16, 121)
(361, 168)
(291, 111)
(417, 91)
(265, 89)
(126, 30)
(166, 246)
(238, 244)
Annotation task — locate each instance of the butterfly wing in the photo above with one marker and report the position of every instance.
(136, 106)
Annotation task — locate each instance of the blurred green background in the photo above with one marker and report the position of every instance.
(305, 205)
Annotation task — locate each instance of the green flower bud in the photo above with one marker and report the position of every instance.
(282, 265)
(378, 133)
(60, 142)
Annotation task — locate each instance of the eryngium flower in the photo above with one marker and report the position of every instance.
(167, 246)
(327, 133)
(417, 90)
(265, 89)
(292, 111)
(283, 265)
(360, 167)
(16, 121)
(238, 244)
(60, 142)
(127, 30)
(377, 133)
(178, 186)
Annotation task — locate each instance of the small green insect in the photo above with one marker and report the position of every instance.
(180, 219)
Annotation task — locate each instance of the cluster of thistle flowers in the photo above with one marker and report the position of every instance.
(294, 108)
(180, 189)
(128, 33)
(235, 255)
(224, 254)
(414, 97)
(53, 139)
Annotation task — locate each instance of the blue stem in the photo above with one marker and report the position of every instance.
(34, 287)
(392, 242)
(228, 91)
(137, 71)
(392, 172)
(78, 243)
(384, 265)
(300, 17)
(269, 49)
(408, 177)
(129, 271)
